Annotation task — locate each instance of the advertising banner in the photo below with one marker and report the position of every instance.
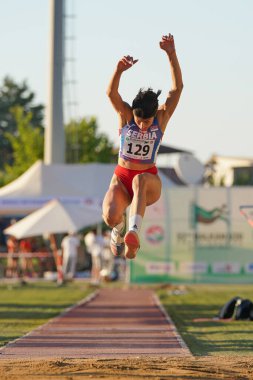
(196, 234)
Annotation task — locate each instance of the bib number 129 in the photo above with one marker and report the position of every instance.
(138, 149)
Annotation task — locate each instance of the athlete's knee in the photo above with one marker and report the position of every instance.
(110, 218)
(139, 182)
(153, 199)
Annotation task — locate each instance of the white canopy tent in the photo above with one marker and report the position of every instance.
(55, 217)
(76, 180)
(70, 183)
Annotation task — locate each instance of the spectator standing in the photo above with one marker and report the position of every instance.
(12, 259)
(25, 248)
(107, 258)
(95, 243)
(70, 245)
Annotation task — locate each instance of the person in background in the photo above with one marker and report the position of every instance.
(70, 245)
(12, 261)
(94, 243)
(107, 258)
(25, 248)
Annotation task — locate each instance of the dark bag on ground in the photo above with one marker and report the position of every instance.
(227, 311)
(244, 310)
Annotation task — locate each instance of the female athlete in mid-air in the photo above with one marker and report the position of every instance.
(135, 181)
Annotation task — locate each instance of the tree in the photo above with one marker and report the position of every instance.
(13, 95)
(85, 144)
(27, 144)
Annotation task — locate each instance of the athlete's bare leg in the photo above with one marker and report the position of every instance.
(115, 203)
(147, 190)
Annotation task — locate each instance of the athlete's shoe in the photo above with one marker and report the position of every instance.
(117, 244)
(132, 244)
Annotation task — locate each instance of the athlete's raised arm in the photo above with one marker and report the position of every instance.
(121, 107)
(166, 110)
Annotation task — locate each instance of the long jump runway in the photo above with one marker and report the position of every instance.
(114, 323)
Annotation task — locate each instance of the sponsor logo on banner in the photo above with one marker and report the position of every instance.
(212, 239)
(226, 267)
(160, 268)
(208, 216)
(154, 234)
(189, 268)
(248, 268)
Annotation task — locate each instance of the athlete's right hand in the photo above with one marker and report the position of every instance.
(125, 63)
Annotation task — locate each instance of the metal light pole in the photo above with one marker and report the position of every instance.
(54, 133)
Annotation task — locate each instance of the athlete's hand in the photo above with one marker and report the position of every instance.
(167, 44)
(125, 63)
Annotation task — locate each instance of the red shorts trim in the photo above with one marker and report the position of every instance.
(126, 176)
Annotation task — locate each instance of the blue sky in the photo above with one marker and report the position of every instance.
(214, 46)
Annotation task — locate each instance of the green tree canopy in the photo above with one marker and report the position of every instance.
(12, 95)
(85, 144)
(27, 144)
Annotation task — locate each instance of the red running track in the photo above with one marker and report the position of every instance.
(115, 323)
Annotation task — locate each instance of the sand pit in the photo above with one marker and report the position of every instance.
(206, 368)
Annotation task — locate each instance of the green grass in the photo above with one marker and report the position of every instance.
(209, 337)
(25, 307)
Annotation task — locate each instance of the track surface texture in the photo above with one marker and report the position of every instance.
(114, 323)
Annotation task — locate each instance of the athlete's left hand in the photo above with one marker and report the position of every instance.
(167, 43)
